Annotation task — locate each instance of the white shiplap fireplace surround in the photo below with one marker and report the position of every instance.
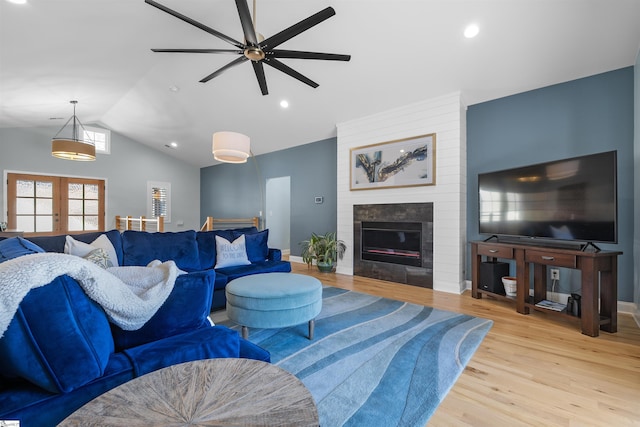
(444, 116)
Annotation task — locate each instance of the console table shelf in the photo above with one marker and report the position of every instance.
(599, 286)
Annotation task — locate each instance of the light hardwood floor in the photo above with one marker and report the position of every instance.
(529, 370)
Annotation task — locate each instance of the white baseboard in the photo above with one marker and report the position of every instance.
(294, 258)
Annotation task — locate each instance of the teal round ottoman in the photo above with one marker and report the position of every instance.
(273, 300)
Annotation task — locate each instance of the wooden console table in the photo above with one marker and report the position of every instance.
(599, 309)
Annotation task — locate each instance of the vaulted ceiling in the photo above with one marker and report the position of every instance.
(98, 52)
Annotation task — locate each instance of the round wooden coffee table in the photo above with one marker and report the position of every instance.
(205, 392)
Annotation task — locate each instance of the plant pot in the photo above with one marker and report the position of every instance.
(325, 267)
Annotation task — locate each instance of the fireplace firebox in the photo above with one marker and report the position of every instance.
(392, 242)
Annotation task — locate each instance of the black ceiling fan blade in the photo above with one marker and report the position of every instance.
(247, 23)
(236, 51)
(262, 80)
(290, 71)
(219, 71)
(298, 28)
(195, 23)
(297, 54)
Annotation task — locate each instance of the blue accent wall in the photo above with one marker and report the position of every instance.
(584, 116)
(233, 190)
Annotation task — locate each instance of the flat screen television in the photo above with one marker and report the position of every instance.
(571, 199)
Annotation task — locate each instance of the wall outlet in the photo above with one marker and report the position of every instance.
(555, 274)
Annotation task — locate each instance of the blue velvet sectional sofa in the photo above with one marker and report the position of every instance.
(60, 351)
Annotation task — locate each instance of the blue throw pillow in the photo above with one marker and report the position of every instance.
(140, 248)
(59, 339)
(14, 247)
(257, 248)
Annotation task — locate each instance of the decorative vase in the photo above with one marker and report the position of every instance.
(325, 267)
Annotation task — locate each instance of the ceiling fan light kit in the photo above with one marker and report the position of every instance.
(255, 48)
(231, 147)
(73, 147)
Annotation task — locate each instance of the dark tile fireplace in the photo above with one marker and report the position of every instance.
(394, 242)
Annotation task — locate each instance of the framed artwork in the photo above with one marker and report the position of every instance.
(405, 162)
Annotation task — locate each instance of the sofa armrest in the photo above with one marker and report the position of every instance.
(187, 308)
(274, 255)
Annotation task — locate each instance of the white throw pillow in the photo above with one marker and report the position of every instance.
(229, 254)
(78, 248)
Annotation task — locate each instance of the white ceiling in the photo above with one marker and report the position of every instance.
(98, 52)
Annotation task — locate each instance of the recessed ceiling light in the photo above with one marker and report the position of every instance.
(17, 1)
(284, 103)
(174, 88)
(172, 145)
(471, 31)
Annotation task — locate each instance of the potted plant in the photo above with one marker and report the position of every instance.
(324, 249)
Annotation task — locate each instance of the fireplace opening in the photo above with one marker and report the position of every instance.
(392, 242)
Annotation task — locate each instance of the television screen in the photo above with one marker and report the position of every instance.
(571, 199)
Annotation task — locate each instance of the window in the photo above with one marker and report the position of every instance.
(159, 200)
(39, 204)
(100, 137)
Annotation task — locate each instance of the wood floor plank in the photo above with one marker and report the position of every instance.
(530, 370)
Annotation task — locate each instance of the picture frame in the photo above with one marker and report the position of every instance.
(407, 162)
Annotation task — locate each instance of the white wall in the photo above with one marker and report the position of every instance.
(444, 116)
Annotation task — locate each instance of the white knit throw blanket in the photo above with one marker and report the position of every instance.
(129, 295)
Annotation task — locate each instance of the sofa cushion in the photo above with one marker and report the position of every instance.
(187, 308)
(206, 343)
(230, 254)
(59, 339)
(14, 247)
(140, 248)
(255, 268)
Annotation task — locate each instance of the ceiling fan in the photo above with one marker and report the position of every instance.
(257, 51)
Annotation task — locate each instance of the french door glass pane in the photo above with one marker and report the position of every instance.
(91, 207)
(91, 191)
(44, 189)
(24, 188)
(91, 223)
(75, 207)
(75, 223)
(44, 206)
(44, 223)
(24, 206)
(75, 191)
(25, 223)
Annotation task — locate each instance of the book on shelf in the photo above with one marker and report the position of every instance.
(551, 305)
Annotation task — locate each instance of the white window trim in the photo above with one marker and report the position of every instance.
(157, 184)
(107, 138)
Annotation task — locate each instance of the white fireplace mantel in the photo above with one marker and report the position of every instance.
(444, 116)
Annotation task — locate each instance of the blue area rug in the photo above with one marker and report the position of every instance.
(375, 361)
